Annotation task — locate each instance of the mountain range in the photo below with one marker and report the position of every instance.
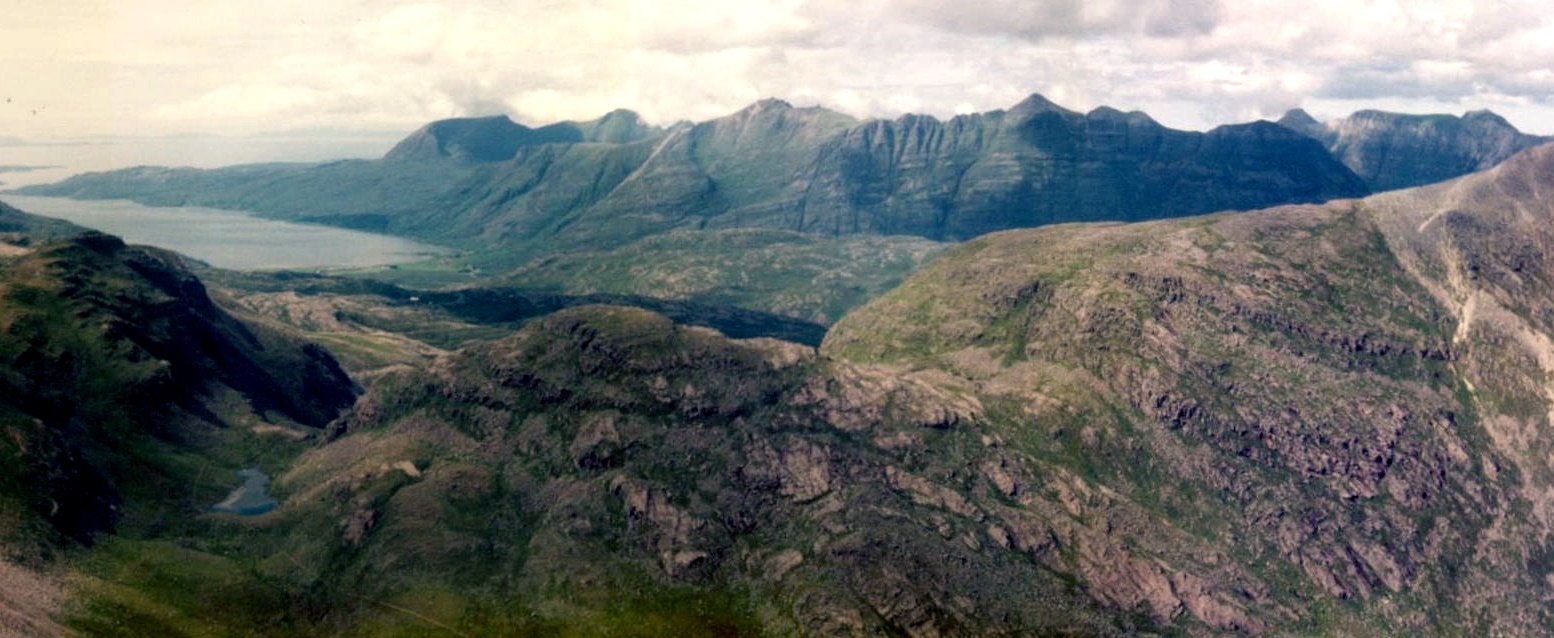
(615, 205)
(1326, 418)
(1394, 150)
(492, 183)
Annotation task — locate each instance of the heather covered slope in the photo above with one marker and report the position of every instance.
(802, 275)
(19, 230)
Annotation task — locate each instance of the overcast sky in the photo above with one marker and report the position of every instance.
(74, 68)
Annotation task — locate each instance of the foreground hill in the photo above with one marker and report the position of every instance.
(126, 399)
(1394, 150)
(1348, 402)
(491, 183)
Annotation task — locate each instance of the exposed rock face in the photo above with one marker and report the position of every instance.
(1392, 150)
(636, 446)
(770, 165)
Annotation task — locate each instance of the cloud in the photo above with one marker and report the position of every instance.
(163, 66)
(1043, 19)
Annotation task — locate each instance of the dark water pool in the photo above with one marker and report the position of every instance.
(251, 498)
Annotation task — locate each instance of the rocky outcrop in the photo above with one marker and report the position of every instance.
(1347, 395)
(844, 499)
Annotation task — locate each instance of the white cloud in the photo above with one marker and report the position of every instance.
(160, 66)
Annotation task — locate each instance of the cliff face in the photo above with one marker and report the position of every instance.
(1392, 150)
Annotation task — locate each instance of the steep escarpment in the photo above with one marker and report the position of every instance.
(1394, 150)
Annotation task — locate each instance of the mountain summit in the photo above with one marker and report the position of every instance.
(1393, 150)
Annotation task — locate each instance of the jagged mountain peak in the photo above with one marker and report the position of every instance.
(620, 126)
(1036, 104)
(770, 103)
(1132, 118)
(478, 139)
(1486, 116)
(497, 138)
(1298, 116)
(1300, 121)
(770, 108)
(1398, 150)
(766, 124)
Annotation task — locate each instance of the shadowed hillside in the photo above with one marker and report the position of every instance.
(126, 397)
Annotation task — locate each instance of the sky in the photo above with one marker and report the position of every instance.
(72, 69)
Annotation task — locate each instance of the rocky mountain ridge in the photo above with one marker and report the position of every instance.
(1394, 150)
(492, 183)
